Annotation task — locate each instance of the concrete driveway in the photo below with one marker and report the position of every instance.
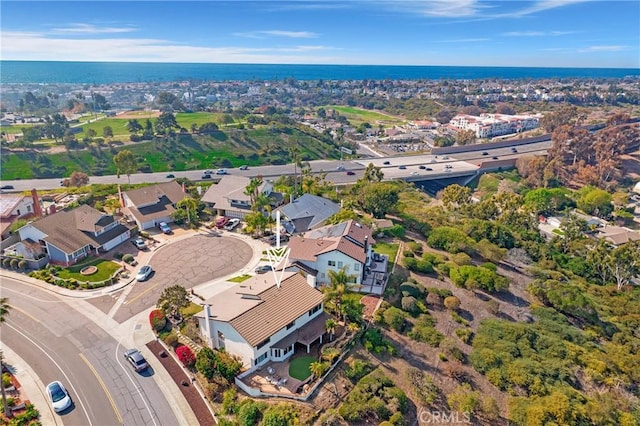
(187, 262)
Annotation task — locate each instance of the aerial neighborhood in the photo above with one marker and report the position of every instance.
(332, 252)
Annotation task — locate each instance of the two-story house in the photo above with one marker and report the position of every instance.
(14, 207)
(153, 204)
(260, 321)
(348, 246)
(70, 235)
(229, 199)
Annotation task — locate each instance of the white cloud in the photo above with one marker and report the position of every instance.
(277, 33)
(31, 46)
(541, 5)
(536, 33)
(434, 8)
(91, 29)
(610, 48)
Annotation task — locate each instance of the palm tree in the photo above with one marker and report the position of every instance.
(318, 368)
(4, 311)
(338, 285)
(331, 325)
(330, 354)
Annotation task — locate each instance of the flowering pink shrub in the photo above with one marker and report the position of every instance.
(157, 319)
(185, 355)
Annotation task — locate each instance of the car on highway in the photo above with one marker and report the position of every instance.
(350, 173)
(171, 176)
(206, 176)
(386, 163)
(514, 150)
(446, 157)
(232, 224)
(244, 167)
(58, 396)
(494, 158)
(448, 166)
(207, 172)
(485, 153)
(422, 167)
(164, 227)
(139, 243)
(340, 168)
(402, 167)
(263, 269)
(428, 169)
(221, 172)
(137, 361)
(414, 173)
(6, 187)
(144, 273)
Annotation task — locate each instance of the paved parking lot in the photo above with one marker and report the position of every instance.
(187, 262)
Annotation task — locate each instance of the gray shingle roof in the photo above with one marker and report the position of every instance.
(316, 208)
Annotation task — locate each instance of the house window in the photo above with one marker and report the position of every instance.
(332, 263)
(339, 264)
(263, 343)
(291, 325)
(315, 309)
(29, 209)
(356, 266)
(277, 353)
(261, 358)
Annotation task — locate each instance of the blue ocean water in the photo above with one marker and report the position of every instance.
(125, 72)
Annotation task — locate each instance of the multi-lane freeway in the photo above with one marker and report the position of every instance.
(336, 169)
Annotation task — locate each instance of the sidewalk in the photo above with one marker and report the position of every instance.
(142, 333)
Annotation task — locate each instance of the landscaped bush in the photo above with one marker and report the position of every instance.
(470, 277)
(375, 396)
(216, 387)
(157, 319)
(229, 401)
(452, 303)
(409, 304)
(280, 415)
(22, 265)
(205, 362)
(14, 263)
(249, 412)
(465, 334)
(461, 259)
(422, 386)
(128, 258)
(210, 362)
(424, 331)
(171, 340)
(357, 369)
(394, 318)
(118, 255)
(374, 342)
(6, 380)
(185, 355)
(6, 262)
(415, 247)
(412, 289)
(451, 350)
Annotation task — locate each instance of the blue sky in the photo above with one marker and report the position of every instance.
(549, 33)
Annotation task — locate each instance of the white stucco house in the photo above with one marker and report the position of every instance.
(228, 197)
(153, 204)
(348, 246)
(259, 321)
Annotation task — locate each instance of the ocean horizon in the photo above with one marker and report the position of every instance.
(52, 72)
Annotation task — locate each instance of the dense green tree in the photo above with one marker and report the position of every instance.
(595, 201)
(107, 132)
(372, 174)
(134, 126)
(456, 195)
(173, 299)
(125, 163)
(378, 199)
(281, 415)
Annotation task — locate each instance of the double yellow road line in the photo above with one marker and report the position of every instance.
(104, 388)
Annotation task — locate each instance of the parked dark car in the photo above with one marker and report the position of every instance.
(263, 269)
(351, 173)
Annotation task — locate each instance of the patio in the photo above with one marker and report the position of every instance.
(273, 377)
(375, 275)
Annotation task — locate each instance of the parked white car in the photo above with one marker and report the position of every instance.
(232, 224)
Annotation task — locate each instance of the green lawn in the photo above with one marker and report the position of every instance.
(239, 278)
(191, 310)
(299, 367)
(106, 269)
(389, 249)
(357, 116)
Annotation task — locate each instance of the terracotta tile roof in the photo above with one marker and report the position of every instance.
(260, 309)
(307, 248)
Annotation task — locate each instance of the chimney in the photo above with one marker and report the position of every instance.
(207, 324)
(37, 210)
(366, 244)
(120, 197)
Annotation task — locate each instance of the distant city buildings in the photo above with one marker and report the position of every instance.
(490, 125)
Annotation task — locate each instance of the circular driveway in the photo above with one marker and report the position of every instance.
(187, 262)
